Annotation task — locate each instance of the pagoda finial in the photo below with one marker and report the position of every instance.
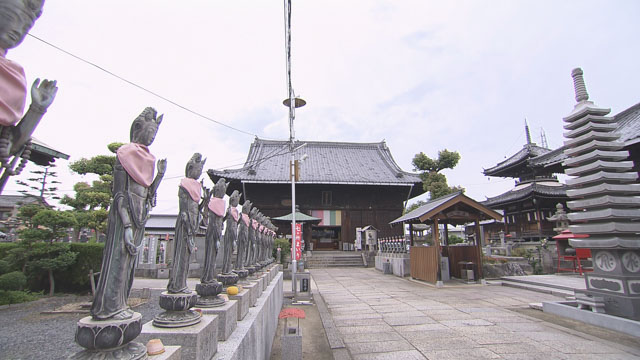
(578, 85)
(527, 132)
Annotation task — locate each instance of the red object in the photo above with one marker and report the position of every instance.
(292, 313)
(581, 253)
(298, 245)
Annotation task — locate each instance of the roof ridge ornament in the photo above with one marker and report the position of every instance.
(578, 85)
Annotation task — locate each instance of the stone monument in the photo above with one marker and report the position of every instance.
(112, 326)
(179, 299)
(18, 17)
(209, 288)
(243, 243)
(605, 204)
(232, 217)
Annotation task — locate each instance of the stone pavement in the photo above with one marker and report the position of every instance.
(385, 317)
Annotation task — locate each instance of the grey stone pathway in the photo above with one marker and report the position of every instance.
(385, 317)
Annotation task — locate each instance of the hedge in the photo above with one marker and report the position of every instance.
(16, 297)
(5, 247)
(76, 277)
(14, 280)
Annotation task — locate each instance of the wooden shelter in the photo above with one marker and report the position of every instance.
(454, 209)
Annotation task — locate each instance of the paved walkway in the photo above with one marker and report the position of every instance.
(385, 317)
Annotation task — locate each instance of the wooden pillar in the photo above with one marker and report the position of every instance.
(411, 233)
(436, 242)
(479, 249)
(446, 234)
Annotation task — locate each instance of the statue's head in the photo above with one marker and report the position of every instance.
(145, 127)
(17, 18)
(253, 213)
(234, 198)
(194, 166)
(220, 188)
(246, 207)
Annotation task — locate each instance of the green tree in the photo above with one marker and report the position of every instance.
(433, 180)
(50, 258)
(54, 223)
(91, 202)
(41, 182)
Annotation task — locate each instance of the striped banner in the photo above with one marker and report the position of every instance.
(329, 217)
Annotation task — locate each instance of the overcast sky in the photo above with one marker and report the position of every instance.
(422, 75)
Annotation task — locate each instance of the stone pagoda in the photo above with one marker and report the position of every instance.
(604, 203)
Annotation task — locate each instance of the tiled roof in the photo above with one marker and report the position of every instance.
(528, 151)
(327, 163)
(10, 201)
(628, 128)
(161, 221)
(523, 191)
(416, 213)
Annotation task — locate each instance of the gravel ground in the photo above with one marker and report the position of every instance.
(25, 333)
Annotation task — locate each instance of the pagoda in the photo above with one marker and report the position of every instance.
(528, 206)
(604, 202)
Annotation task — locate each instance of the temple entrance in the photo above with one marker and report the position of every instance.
(325, 237)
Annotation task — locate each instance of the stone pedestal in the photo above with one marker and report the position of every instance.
(209, 295)
(178, 313)
(253, 292)
(199, 341)
(243, 298)
(227, 318)
(242, 275)
(229, 279)
(252, 270)
(110, 338)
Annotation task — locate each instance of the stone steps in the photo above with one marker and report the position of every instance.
(337, 260)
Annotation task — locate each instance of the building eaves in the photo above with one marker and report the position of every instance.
(525, 191)
(528, 151)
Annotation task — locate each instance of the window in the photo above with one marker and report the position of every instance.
(326, 198)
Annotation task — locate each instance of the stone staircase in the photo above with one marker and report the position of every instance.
(324, 259)
(562, 286)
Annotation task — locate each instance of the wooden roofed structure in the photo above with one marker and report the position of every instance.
(455, 209)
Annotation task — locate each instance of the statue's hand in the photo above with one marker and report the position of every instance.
(192, 245)
(162, 167)
(128, 242)
(42, 94)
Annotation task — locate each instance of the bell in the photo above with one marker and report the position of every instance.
(155, 347)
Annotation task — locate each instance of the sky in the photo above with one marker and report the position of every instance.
(422, 75)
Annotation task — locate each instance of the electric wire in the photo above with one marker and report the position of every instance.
(142, 87)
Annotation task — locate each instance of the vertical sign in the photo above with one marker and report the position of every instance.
(298, 245)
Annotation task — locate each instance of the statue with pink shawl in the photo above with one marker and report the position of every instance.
(16, 126)
(134, 194)
(243, 243)
(209, 288)
(232, 217)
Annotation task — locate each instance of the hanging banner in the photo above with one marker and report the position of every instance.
(298, 245)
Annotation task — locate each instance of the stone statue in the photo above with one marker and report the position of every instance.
(187, 224)
(253, 225)
(232, 217)
(134, 192)
(209, 288)
(18, 16)
(243, 241)
(179, 299)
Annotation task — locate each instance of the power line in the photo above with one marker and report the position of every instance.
(142, 87)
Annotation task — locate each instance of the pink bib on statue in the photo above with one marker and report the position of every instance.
(216, 205)
(261, 228)
(193, 188)
(254, 224)
(245, 219)
(234, 213)
(138, 162)
(13, 91)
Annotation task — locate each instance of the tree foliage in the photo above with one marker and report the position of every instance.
(433, 180)
(50, 258)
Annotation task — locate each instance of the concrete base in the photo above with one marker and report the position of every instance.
(198, 341)
(253, 292)
(254, 336)
(565, 309)
(292, 343)
(400, 263)
(243, 298)
(265, 281)
(227, 318)
(170, 353)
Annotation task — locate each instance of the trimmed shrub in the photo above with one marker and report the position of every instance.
(16, 297)
(15, 280)
(76, 277)
(285, 246)
(5, 267)
(5, 247)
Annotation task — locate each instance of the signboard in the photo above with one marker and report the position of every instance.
(298, 245)
(304, 285)
(359, 238)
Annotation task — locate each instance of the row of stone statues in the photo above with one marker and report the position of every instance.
(112, 325)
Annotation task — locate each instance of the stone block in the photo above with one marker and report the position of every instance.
(254, 336)
(199, 341)
(243, 298)
(265, 282)
(253, 292)
(170, 353)
(227, 318)
(292, 343)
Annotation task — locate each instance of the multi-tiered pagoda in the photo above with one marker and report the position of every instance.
(604, 203)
